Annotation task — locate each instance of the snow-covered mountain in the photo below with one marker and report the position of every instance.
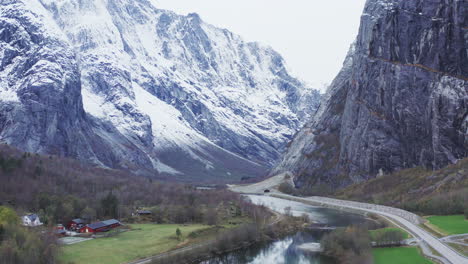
(123, 84)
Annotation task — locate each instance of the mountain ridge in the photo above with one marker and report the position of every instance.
(398, 103)
(158, 91)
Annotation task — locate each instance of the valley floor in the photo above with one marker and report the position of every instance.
(142, 241)
(449, 224)
(399, 255)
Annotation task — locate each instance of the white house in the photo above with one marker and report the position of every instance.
(31, 220)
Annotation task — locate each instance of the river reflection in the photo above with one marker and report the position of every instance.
(330, 217)
(285, 251)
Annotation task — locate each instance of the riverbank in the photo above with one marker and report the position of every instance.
(402, 219)
(289, 249)
(233, 240)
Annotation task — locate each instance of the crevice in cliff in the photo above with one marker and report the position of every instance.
(421, 67)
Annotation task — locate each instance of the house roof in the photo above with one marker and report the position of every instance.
(96, 225)
(78, 221)
(32, 217)
(111, 222)
(103, 224)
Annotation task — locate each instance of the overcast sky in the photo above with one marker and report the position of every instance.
(312, 35)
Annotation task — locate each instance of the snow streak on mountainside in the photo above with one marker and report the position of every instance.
(400, 101)
(126, 85)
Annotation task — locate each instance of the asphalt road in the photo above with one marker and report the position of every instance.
(445, 251)
(259, 187)
(449, 255)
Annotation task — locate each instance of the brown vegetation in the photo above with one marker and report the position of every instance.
(389, 238)
(430, 192)
(61, 189)
(349, 245)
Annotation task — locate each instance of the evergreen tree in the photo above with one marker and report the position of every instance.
(110, 205)
(178, 233)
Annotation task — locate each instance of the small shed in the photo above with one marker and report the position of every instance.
(144, 212)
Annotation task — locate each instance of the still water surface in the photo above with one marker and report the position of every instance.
(285, 251)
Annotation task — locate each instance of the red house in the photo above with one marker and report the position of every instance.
(76, 224)
(103, 226)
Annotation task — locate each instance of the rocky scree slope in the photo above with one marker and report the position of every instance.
(125, 85)
(400, 101)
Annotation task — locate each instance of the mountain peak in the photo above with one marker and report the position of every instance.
(151, 92)
(194, 17)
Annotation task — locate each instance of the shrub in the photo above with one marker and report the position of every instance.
(20, 245)
(8, 216)
(348, 245)
(286, 188)
(178, 234)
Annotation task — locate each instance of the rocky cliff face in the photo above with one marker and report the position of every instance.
(123, 84)
(400, 101)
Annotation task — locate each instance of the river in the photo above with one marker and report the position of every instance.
(286, 251)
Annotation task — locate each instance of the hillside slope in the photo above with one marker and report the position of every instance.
(417, 189)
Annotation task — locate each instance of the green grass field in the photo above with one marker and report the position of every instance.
(399, 255)
(374, 233)
(450, 225)
(127, 246)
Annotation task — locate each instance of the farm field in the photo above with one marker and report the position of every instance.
(449, 225)
(399, 255)
(143, 241)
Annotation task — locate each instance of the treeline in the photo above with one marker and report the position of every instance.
(22, 245)
(388, 238)
(60, 189)
(218, 206)
(440, 204)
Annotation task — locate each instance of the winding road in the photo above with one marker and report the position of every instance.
(406, 220)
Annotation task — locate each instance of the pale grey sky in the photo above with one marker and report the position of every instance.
(312, 35)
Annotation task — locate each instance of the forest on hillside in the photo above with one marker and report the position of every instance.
(60, 189)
